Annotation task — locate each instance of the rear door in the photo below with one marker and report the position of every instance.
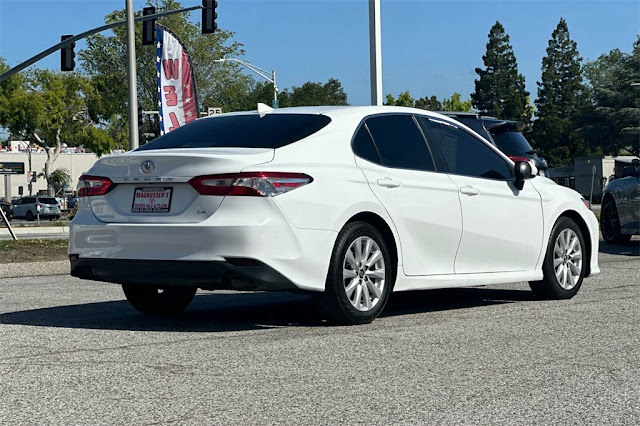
(423, 204)
(502, 226)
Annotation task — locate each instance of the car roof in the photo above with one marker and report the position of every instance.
(335, 111)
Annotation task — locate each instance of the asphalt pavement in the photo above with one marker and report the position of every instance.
(74, 352)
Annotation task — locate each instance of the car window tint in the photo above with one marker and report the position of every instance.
(48, 200)
(363, 146)
(28, 201)
(464, 154)
(400, 142)
(241, 131)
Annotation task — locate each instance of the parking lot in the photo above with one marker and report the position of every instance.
(73, 351)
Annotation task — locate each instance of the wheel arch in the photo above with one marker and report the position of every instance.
(385, 229)
(582, 225)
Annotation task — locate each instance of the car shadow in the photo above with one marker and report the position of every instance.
(632, 248)
(219, 312)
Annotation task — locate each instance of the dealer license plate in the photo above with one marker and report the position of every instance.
(152, 200)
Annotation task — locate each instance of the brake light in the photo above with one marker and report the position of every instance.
(89, 186)
(516, 158)
(256, 184)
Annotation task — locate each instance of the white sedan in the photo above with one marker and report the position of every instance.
(346, 203)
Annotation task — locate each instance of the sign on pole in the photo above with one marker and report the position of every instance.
(214, 111)
(11, 168)
(177, 96)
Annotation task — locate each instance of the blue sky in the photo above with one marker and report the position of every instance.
(429, 47)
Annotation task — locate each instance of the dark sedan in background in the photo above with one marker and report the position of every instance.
(620, 215)
(504, 134)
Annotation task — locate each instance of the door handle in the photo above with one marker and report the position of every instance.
(389, 183)
(469, 190)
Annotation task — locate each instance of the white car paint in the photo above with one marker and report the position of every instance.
(443, 236)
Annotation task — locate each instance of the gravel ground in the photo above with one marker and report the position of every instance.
(73, 352)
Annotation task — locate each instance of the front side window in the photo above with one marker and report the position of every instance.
(400, 142)
(464, 154)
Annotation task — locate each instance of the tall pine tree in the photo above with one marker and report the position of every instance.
(500, 89)
(562, 98)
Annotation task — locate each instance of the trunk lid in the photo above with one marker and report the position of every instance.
(153, 186)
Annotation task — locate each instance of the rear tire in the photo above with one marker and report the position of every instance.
(565, 262)
(610, 223)
(360, 278)
(159, 300)
(29, 216)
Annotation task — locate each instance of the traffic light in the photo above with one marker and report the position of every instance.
(67, 55)
(140, 115)
(148, 27)
(209, 16)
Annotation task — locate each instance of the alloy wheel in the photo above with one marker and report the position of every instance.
(567, 259)
(364, 273)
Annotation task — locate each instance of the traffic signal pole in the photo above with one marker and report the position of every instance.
(133, 81)
(71, 40)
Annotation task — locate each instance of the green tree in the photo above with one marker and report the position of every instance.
(455, 103)
(500, 89)
(310, 93)
(48, 109)
(390, 100)
(562, 98)
(429, 103)
(612, 124)
(58, 179)
(104, 61)
(404, 99)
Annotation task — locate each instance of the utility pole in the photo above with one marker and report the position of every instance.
(375, 52)
(131, 71)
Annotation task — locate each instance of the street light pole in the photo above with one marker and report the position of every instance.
(269, 76)
(375, 52)
(131, 71)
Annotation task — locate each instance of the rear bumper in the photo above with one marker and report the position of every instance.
(242, 227)
(230, 274)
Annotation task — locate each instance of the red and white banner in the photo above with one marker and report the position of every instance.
(177, 99)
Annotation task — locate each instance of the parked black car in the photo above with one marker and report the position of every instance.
(504, 134)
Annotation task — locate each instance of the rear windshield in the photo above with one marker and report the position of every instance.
(512, 143)
(48, 201)
(241, 131)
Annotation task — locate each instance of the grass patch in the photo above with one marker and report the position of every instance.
(23, 251)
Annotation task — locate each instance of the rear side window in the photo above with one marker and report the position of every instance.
(241, 131)
(28, 200)
(464, 154)
(400, 142)
(363, 146)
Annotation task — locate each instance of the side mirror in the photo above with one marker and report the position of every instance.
(522, 170)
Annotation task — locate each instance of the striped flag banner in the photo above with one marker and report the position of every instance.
(177, 98)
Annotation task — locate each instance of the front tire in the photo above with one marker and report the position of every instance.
(159, 300)
(565, 262)
(610, 223)
(360, 278)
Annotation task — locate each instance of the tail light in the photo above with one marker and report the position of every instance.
(88, 186)
(256, 184)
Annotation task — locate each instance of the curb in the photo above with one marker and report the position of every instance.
(34, 269)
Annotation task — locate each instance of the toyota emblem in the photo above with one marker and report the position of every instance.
(147, 166)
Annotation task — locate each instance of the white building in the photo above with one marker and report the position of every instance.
(75, 163)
